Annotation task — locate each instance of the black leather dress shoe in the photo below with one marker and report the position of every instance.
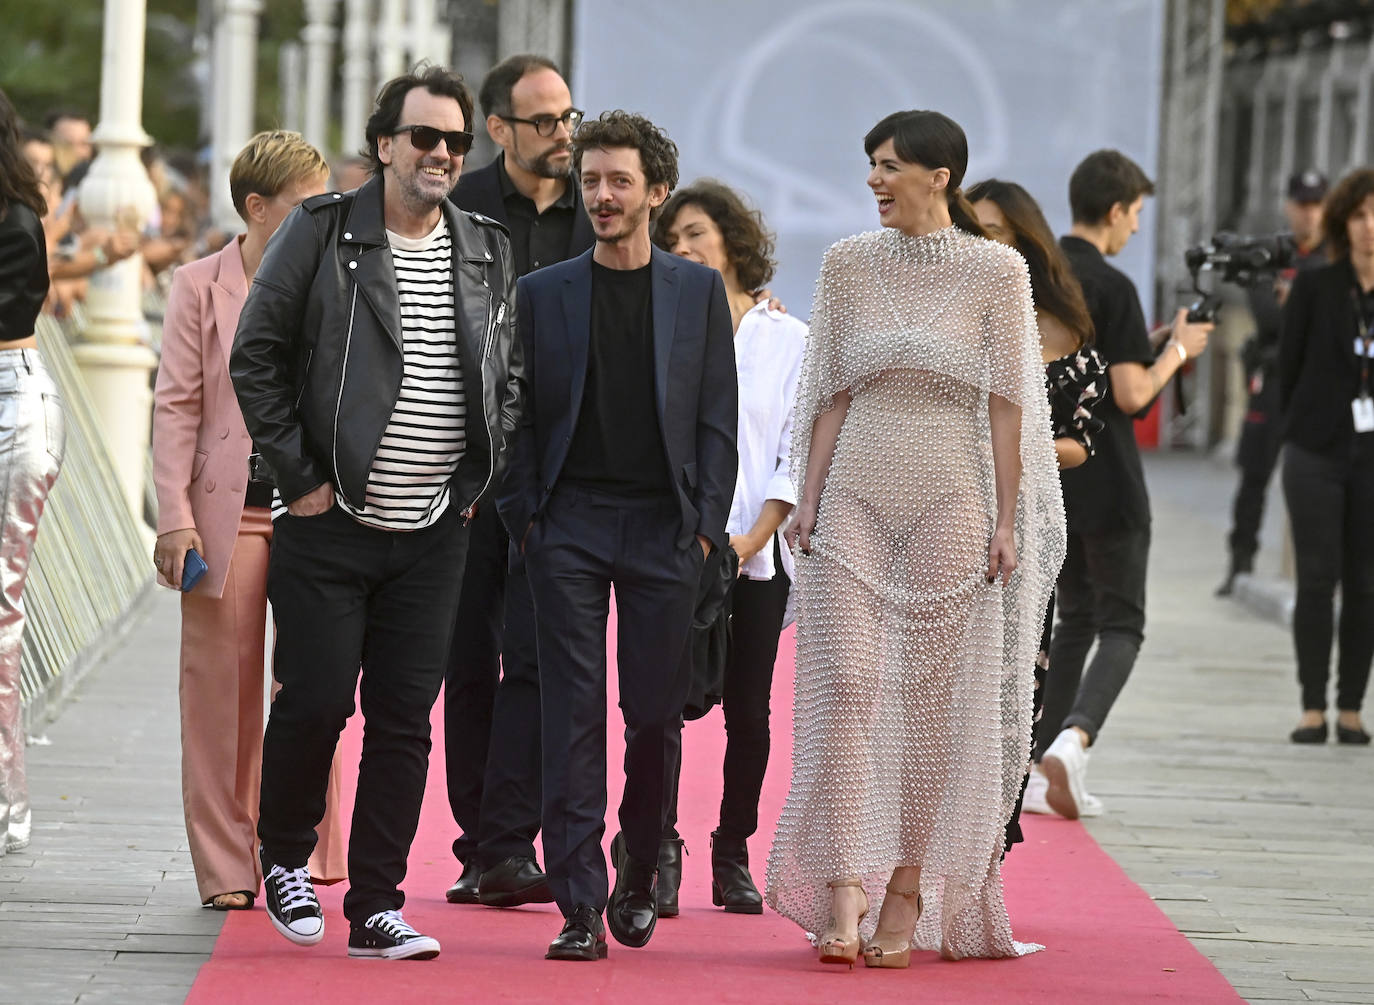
(512, 882)
(464, 891)
(670, 851)
(731, 885)
(583, 937)
(633, 910)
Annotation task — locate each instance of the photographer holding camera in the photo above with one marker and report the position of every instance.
(1101, 591)
(1326, 395)
(1260, 439)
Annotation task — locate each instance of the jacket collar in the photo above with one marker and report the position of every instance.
(228, 290)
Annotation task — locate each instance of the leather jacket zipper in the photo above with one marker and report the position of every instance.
(482, 399)
(343, 375)
(305, 376)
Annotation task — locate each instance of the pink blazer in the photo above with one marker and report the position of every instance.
(200, 444)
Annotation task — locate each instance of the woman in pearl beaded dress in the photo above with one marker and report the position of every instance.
(930, 529)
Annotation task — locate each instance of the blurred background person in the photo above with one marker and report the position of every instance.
(208, 501)
(71, 137)
(1100, 595)
(1326, 394)
(32, 435)
(1260, 433)
(709, 223)
(1074, 373)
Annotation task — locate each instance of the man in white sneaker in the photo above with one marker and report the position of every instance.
(378, 373)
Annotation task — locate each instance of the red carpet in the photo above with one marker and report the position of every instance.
(1107, 940)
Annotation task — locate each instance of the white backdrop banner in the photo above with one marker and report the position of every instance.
(774, 97)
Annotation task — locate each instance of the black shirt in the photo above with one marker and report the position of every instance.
(617, 445)
(1107, 492)
(536, 239)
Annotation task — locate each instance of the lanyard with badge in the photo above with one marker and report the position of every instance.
(1362, 408)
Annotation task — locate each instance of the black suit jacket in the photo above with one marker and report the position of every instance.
(480, 192)
(696, 388)
(1319, 374)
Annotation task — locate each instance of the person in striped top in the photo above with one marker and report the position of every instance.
(378, 373)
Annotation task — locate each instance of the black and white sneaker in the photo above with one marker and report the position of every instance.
(291, 903)
(386, 936)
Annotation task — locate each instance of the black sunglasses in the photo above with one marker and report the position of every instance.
(546, 125)
(426, 138)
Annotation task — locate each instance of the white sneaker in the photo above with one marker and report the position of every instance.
(1091, 807)
(1064, 764)
(1034, 799)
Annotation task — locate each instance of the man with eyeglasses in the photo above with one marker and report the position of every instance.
(378, 373)
(491, 729)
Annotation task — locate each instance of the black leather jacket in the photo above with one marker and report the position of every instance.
(317, 357)
(23, 271)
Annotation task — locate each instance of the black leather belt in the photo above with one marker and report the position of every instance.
(258, 494)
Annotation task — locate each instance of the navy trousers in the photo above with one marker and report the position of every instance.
(583, 544)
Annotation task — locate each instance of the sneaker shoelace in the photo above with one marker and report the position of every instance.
(294, 888)
(391, 923)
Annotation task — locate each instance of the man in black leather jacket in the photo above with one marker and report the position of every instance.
(379, 375)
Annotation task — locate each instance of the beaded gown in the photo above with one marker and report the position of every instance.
(914, 674)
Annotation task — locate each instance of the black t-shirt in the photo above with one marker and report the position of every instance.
(1107, 492)
(536, 239)
(617, 446)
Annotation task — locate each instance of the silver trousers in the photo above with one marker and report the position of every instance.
(32, 436)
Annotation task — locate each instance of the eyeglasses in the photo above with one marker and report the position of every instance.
(426, 138)
(547, 125)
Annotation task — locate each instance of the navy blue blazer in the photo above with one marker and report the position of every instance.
(697, 390)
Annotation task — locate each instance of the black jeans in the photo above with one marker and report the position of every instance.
(472, 672)
(757, 610)
(1331, 510)
(1100, 598)
(584, 543)
(346, 596)
(1257, 457)
(509, 818)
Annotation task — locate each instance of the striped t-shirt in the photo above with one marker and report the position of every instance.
(408, 486)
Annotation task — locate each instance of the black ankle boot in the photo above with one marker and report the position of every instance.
(731, 885)
(670, 852)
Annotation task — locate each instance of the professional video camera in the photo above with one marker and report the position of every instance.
(1241, 261)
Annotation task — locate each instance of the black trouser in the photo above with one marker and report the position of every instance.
(757, 610)
(1331, 510)
(1100, 597)
(511, 791)
(1013, 833)
(346, 596)
(1257, 456)
(583, 543)
(472, 672)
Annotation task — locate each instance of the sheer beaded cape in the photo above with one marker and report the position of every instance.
(914, 676)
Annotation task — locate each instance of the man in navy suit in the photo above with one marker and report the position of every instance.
(621, 475)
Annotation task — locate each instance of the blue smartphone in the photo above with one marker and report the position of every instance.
(192, 570)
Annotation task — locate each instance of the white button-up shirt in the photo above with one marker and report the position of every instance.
(768, 356)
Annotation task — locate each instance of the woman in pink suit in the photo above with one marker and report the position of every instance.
(206, 501)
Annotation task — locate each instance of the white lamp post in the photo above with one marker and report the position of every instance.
(319, 37)
(114, 356)
(357, 71)
(234, 74)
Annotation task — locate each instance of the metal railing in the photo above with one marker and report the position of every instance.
(90, 565)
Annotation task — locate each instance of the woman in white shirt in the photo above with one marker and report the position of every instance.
(709, 223)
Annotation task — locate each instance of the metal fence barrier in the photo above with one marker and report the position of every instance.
(90, 567)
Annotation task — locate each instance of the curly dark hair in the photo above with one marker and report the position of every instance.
(1341, 202)
(748, 242)
(657, 153)
(386, 115)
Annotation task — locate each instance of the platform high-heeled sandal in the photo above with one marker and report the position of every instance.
(878, 955)
(834, 946)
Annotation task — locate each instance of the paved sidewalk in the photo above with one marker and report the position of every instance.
(1261, 852)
